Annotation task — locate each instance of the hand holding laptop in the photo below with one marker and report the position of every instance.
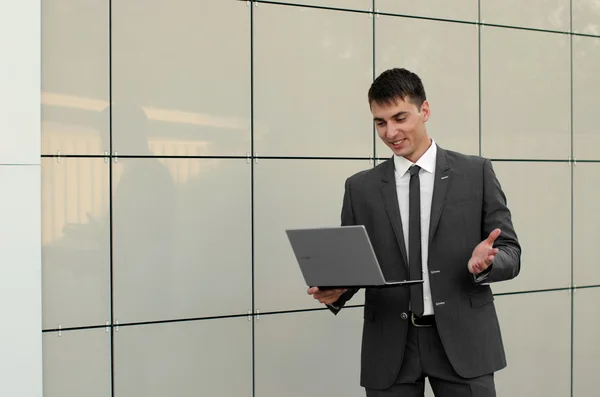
(326, 297)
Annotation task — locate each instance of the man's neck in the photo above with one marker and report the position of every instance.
(417, 155)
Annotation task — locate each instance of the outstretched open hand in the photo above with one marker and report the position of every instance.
(484, 254)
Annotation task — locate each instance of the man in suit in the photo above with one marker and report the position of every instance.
(439, 216)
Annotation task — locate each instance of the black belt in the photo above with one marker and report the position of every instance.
(423, 321)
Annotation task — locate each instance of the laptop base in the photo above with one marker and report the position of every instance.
(390, 284)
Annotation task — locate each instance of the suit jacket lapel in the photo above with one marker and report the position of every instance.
(441, 184)
(390, 200)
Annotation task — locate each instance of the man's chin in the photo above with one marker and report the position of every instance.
(401, 152)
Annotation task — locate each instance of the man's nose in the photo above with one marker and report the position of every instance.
(390, 132)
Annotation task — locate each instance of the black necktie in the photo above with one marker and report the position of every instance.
(414, 240)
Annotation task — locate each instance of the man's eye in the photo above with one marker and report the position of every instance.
(381, 124)
(400, 119)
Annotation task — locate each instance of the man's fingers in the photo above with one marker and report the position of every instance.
(492, 251)
(491, 256)
(480, 265)
(327, 296)
(330, 293)
(326, 299)
(493, 236)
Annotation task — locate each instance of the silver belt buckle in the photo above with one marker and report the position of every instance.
(412, 319)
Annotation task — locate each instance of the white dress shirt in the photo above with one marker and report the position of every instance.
(426, 178)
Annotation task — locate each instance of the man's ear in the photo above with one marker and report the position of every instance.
(426, 110)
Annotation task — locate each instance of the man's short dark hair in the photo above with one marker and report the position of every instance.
(394, 84)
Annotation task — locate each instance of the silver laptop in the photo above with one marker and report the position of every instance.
(339, 257)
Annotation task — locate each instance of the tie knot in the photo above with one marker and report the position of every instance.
(414, 170)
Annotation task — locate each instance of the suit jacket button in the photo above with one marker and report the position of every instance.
(404, 316)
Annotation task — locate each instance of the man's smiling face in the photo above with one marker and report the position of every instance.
(400, 125)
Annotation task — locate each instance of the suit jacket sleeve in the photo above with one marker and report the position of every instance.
(496, 214)
(347, 220)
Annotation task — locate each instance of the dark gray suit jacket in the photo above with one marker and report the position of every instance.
(468, 203)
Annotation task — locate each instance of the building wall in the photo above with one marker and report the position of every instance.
(166, 270)
(20, 201)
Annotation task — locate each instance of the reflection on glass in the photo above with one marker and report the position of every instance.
(192, 77)
(586, 16)
(586, 223)
(75, 242)
(464, 10)
(585, 337)
(77, 363)
(305, 339)
(291, 194)
(75, 81)
(525, 76)
(538, 14)
(143, 214)
(175, 221)
(341, 4)
(522, 182)
(538, 347)
(304, 102)
(454, 122)
(586, 96)
(196, 358)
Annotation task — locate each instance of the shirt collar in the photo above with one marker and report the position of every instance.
(426, 162)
